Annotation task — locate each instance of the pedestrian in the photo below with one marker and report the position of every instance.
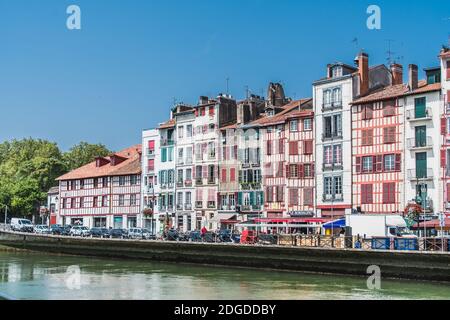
(203, 232)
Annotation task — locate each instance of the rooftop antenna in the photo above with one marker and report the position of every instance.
(247, 92)
(355, 41)
(228, 85)
(390, 53)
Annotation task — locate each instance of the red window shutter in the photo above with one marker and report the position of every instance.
(288, 171)
(232, 174)
(398, 162)
(443, 159)
(151, 144)
(379, 163)
(280, 146)
(211, 111)
(358, 164)
(443, 126)
(293, 148)
(448, 92)
(369, 194)
(308, 147)
(269, 147)
(224, 175)
(301, 171)
(448, 192)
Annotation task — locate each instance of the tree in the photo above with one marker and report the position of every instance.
(84, 153)
(28, 169)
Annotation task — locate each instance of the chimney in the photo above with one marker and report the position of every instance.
(363, 69)
(413, 77)
(397, 73)
(203, 100)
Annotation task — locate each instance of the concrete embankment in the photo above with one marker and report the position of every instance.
(430, 266)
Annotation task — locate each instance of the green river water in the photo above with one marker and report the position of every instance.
(41, 276)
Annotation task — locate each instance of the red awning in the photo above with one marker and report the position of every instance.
(432, 224)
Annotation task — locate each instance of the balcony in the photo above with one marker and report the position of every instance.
(333, 197)
(420, 175)
(198, 204)
(188, 183)
(150, 190)
(188, 206)
(420, 144)
(179, 207)
(180, 184)
(167, 142)
(412, 117)
(211, 204)
(188, 160)
(331, 106)
(332, 136)
(199, 181)
(150, 153)
(332, 166)
(170, 208)
(150, 169)
(211, 180)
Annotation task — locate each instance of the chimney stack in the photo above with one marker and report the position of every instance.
(413, 77)
(397, 73)
(363, 69)
(203, 100)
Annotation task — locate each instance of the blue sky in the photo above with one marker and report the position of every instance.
(122, 71)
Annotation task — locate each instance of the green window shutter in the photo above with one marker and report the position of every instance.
(163, 155)
(252, 198)
(421, 165)
(420, 108)
(240, 198)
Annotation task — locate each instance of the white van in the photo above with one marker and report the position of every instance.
(21, 225)
(378, 225)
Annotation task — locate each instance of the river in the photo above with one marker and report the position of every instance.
(43, 277)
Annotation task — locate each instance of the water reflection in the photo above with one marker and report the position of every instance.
(36, 276)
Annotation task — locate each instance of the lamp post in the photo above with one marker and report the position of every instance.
(6, 214)
(423, 189)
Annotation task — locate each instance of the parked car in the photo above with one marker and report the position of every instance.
(42, 229)
(21, 225)
(119, 234)
(80, 231)
(139, 233)
(59, 230)
(97, 232)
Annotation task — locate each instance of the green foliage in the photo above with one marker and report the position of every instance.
(84, 153)
(29, 167)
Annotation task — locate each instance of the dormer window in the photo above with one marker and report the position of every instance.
(336, 72)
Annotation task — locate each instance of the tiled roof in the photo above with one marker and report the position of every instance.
(132, 165)
(167, 125)
(396, 91)
(281, 116)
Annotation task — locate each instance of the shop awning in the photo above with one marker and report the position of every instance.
(336, 224)
(222, 217)
(292, 220)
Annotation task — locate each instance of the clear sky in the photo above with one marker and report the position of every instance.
(122, 71)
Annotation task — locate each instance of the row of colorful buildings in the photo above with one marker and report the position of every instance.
(366, 141)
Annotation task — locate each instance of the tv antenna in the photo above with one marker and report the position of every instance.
(389, 52)
(228, 85)
(355, 41)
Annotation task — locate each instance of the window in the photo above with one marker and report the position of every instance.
(105, 182)
(328, 186)
(388, 193)
(333, 126)
(180, 132)
(307, 124)
(170, 154)
(293, 197)
(104, 201)
(81, 202)
(269, 147)
(64, 203)
(121, 181)
(308, 171)
(232, 200)
(164, 155)
(366, 194)
(180, 176)
(224, 175)
(188, 174)
(121, 200)
(337, 72)
(293, 171)
(189, 130)
(367, 137)
(280, 193)
(328, 155)
(280, 146)
(132, 200)
(389, 135)
(337, 154)
(81, 184)
(367, 164)
(232, 175)
(367, 112)
(420, 107)
(211, 111)
(308, 196)
(180, 155)
(338, 185)
(333, 188)
(133, 180)
(389, 108)
(389, 162)
(327, 97)
(95, 183)
(293, 125)
(337, 96)
(269, 194)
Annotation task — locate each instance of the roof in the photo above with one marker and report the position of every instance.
(131, 165)
(53, 190)
(283, 115)
(167, 125)
(397, 91)
(445, 54)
